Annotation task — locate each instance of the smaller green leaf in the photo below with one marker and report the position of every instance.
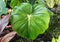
(14, 3)
(53, 39)
(2, 3)
(3, 8)
(58, 40)
(50, 3)
(17, 2)
(57, 2)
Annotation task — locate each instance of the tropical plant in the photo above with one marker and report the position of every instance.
(30, 18)
(30, 21)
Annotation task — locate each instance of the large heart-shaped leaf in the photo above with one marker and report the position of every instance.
(3, 8)
(30, 21)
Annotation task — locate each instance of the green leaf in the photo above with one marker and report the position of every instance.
(57, 2)
(53, 39)
(17, 2)
(14, 3)
(58, 40)
(50, 3)
(29, 22)
(3, 8)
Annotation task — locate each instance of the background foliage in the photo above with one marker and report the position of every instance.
(52, 5)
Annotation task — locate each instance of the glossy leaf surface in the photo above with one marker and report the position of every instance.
(30, 21)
